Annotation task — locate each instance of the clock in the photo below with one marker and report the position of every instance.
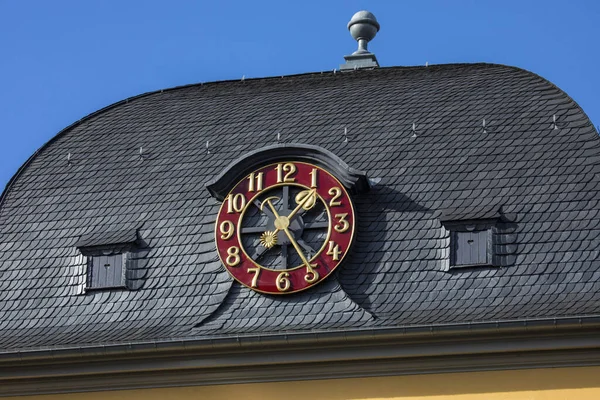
(285, 227)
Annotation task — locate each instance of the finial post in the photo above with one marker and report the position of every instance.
(362, 46)
(363, 27)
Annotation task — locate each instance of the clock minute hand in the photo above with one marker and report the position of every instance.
(314, 275)
(282, 223)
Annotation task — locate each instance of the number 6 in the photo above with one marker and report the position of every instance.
(282, 282)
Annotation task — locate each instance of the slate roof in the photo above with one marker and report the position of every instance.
(545, 178)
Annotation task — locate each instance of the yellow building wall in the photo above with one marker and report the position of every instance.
(582, 383)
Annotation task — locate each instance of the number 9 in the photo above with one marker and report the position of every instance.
(227, 229)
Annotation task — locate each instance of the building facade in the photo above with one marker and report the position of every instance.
(401, 232)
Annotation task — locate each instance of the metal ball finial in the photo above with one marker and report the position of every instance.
(363, 27)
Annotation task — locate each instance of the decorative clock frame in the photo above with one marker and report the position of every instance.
(287, 219)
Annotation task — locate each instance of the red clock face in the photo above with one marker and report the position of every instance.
(285, 227)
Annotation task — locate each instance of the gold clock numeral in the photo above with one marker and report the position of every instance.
(311, 276)
(255, 182)
(313, 178)
(256, 272)
(289, 169)
(342, 225)
(334, 251)
(235, 203)
(283, 283)
(336, 192)
(233, 256)
(227, 230)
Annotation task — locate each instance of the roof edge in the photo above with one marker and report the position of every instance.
(441, 331)
(554, 86)
(312, 355)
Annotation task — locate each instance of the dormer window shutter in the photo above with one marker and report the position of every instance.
(107, 271)
(470, 247)
(112, 259)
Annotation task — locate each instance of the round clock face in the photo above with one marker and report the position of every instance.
(284, 227)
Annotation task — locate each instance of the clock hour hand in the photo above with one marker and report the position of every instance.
(306, 200)
(282, 222)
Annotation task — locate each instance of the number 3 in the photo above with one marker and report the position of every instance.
(343, 224)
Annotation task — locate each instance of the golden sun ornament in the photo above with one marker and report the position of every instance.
(268, 239)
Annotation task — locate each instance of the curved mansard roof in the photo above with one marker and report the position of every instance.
(543, 180)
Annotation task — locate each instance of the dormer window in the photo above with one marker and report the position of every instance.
(109, 258)
(106, 271)
(478, 237)
(470, 245)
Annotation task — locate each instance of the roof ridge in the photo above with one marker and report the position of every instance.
(200, 84)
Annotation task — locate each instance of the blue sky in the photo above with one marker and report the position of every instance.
(63, 59)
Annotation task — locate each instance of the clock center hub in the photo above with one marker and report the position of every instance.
(282, 222)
